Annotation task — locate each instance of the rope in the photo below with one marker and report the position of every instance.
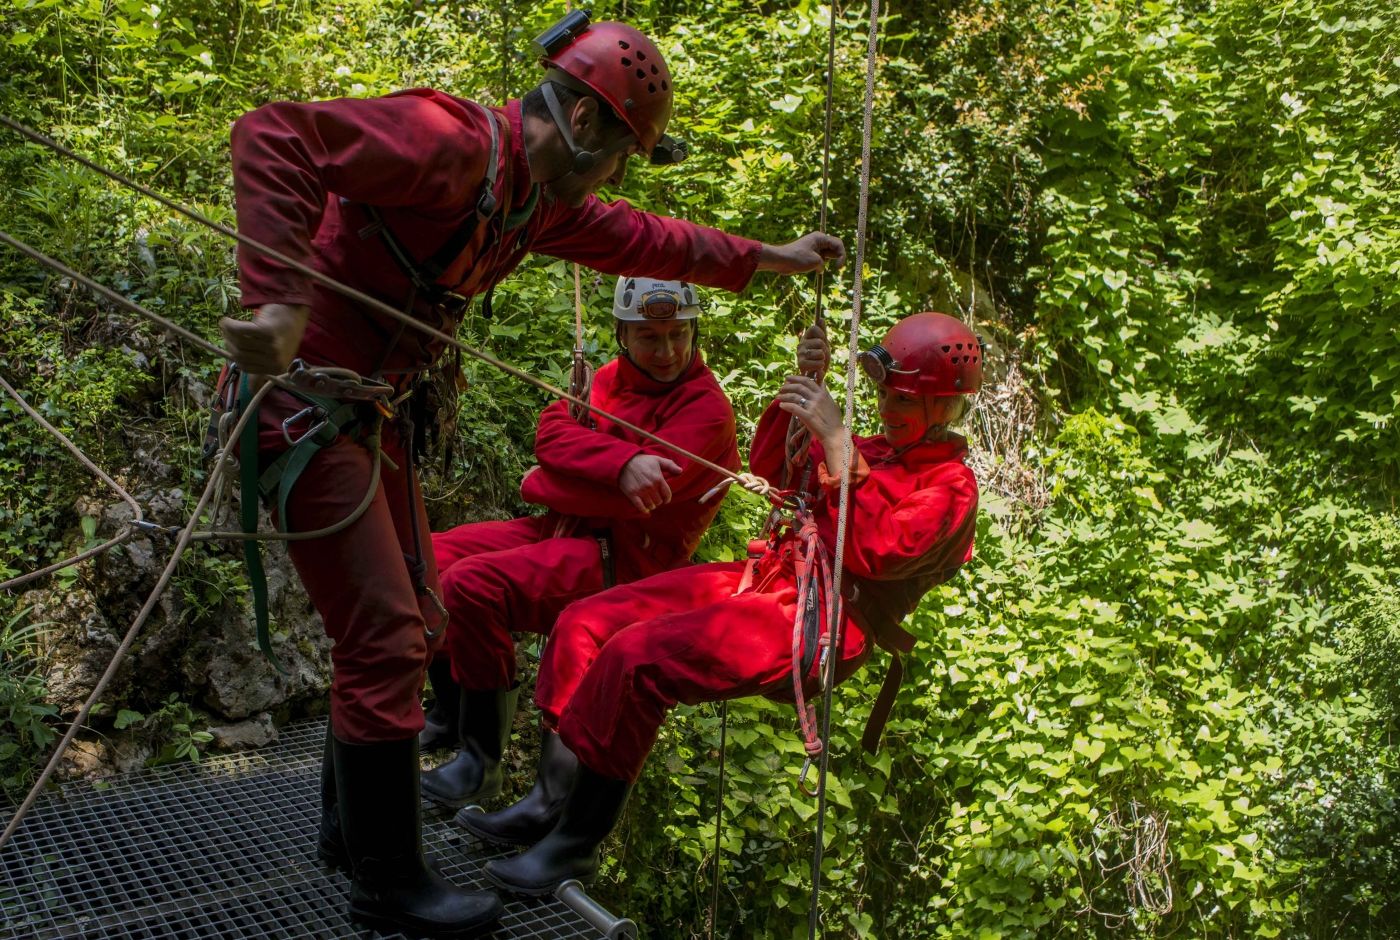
(379, 306)
(581, 375)
(798, 439)
(814, 912)
(181, 544)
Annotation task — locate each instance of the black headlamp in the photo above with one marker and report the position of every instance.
(878, 365)
(563, 32)
(669, 150)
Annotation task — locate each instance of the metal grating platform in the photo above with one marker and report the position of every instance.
(222, 849)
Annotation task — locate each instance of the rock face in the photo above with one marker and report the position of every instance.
(199, 642)
(255, 732)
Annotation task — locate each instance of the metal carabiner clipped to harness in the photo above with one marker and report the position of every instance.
(318, 415)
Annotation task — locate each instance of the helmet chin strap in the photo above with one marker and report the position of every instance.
(583, 160)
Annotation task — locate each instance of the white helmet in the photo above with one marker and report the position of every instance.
(641, 299)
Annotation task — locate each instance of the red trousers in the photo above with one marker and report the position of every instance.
(358, 578)
(505, 577)
(617, 662)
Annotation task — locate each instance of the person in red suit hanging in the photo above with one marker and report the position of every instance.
(425, 200)
(618, 661)
(620, 508)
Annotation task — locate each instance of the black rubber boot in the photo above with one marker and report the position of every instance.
(571, 849)
(392, 887)
(530, 819)
(475, 773)
(440, 723)
(330, 843)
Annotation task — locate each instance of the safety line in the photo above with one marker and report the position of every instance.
(747, 481)
(843, 511)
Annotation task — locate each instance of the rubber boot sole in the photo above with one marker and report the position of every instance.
(466, 819)
(534, 891)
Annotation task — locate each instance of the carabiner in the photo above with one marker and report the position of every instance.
(317, 414)
(802, 779)
(443, 615)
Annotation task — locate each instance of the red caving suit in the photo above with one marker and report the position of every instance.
(499, 577)
(617, 662)
(301, 175)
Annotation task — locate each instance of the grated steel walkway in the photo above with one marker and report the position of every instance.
(225, 849)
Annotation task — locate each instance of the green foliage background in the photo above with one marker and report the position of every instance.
(1188, 219)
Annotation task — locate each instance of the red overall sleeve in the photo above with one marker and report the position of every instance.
(594, 460)
(614, 238)
(906, 532)
(572, 496)
(416, 148)
(567, 447)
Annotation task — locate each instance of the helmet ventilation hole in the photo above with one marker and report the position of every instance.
(651, 87)
(664, 85)
(623, 44)
(641, 74)
(655, 70)
(626, 62)
(947, 348)
(641, 56)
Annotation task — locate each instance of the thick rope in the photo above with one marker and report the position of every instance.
(814, 912)
(380, 306)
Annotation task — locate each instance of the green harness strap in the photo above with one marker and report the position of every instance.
(334, 417)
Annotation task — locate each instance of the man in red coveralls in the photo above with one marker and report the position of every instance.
(617, 662)
(423, 200)
(621, 508)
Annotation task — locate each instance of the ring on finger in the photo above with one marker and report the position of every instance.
(802, 402)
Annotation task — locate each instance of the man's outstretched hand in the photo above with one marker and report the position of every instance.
(808, 253)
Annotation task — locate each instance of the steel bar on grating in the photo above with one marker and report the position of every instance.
(224, 849)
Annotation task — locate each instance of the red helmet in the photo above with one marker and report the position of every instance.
(927, 354)
(623, 67)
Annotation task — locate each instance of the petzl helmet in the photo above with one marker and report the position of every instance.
(645, 299)
(927, 354)
(617, 63)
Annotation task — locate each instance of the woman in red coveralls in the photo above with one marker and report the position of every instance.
(620, 508)
(423, 200)
(617, 662)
